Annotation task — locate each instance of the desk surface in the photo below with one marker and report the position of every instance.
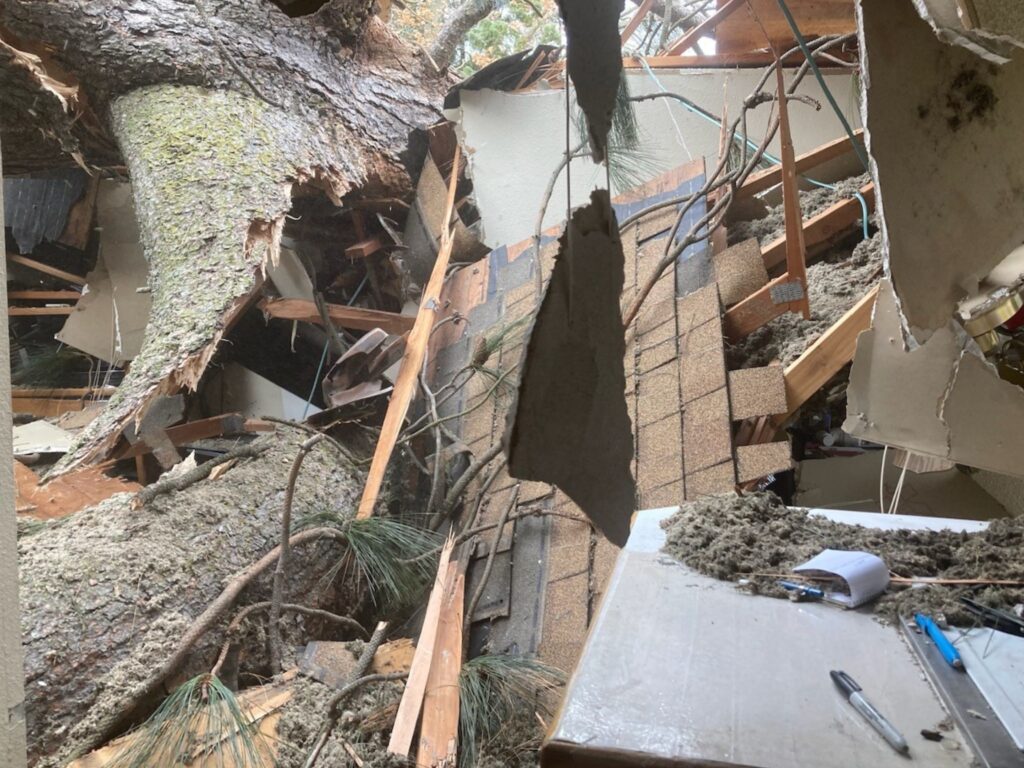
(689, 669)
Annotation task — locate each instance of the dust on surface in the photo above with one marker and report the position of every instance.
(363, 724)
(730, 537)
(834, 285)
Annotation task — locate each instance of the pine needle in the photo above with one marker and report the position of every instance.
(389, 555)
(496, 691)
(200, 720)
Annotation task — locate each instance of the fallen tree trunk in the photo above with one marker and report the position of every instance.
(108, 593)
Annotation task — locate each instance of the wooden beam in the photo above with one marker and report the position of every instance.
(823, 227)
(416, 684)
(689, 38)
(46, 407)
(412, 360)
(358, 318)
(826, 356)
(37, 311)
(95, 392)
(638, 17)
(364, 248)
(439, 731)
(44, 295)
(46, 269)
(770, 177)
(756, 59)
(754, 311)
(796, 251)
(215, 426)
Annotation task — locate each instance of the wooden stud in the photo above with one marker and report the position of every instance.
(796, 251)
(358, 318)
(44, 295)
(638, 17)
(412, 360)
(686, 42)
(38, 311)
(364, 248)
(770, 177)
(46, 269)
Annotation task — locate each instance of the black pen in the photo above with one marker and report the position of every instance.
(852, 691)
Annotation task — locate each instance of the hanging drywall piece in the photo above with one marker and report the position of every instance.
(593, 51)
(944, 128)
(110, 319)
(570, 425)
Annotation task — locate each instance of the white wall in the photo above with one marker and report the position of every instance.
(515, 141)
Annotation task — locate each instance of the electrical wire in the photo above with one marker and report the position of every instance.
(881, 481)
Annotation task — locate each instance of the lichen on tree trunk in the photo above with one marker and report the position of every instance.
(211, 175)
(107, 594)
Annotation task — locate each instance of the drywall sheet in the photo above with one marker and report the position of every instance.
(236, 389)
(515, 141)
(40, 437)
(685, 669)
(570, 425)
(290, 277)
(938, 398)
(944, 128)
(110, 319)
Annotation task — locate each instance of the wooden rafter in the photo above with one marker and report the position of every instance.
(770, 177)
(689, 38)
(45, 269)
(634, 23)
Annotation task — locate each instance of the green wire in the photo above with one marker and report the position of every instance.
(861, 154)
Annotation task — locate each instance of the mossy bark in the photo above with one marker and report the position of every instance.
(107, 593)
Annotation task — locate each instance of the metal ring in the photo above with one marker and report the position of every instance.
(995, 316)
(988, 341)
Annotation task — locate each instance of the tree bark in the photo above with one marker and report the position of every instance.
(218, 111)
(108, 593)
(456, 27)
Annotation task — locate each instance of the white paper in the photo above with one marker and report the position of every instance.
(865, 574)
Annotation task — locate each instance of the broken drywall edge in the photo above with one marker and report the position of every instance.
(936, 111)
(943, 17)
(940, 398)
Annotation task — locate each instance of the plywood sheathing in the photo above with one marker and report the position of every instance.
(746, 29)
(739, 271)
(757, 461)
(757, 392)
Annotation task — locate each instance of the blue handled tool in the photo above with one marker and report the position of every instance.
(802, 590)
(930, 628)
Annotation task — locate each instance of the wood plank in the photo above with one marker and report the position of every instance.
(416, 684)
(826, 356)
(44, 295)
(634, 23)
(62, 391)
(439, 732)
(46, 407)
(38, 311)
(358, 318)
(412, 360)
(364, 248)
(215, 426)
(770, 177)
(45, 268)
(686, 42)
(747, 31)
(796, 251)
(753, 312)
(825, 226)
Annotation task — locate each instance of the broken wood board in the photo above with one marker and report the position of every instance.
(439, 730)
(358, 318)
(937, 398)
(46, 269)
(215, 426)
(110, 319)
(569, 425)
(261, 705)
(412, 360)
(67, 494)
(416, 684)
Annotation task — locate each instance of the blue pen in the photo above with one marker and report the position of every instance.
(802, 589)
(930, 628)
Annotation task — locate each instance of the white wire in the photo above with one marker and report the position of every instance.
(882, 481)
(899, 489)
